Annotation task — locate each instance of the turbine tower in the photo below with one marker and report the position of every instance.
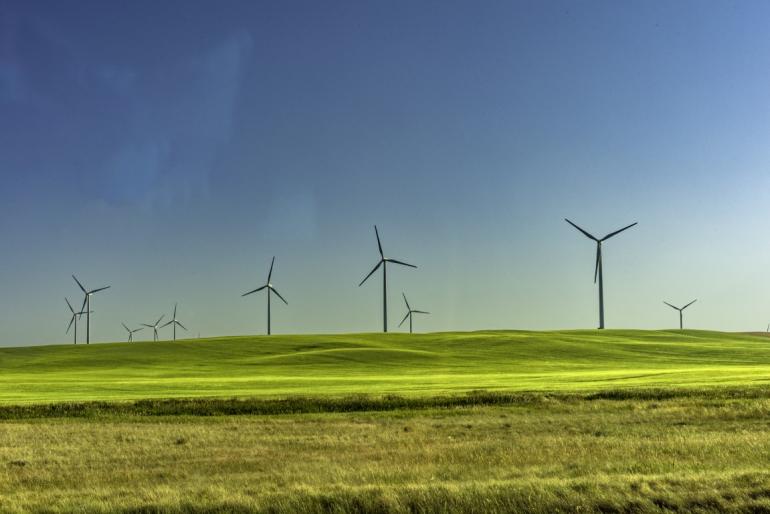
(598, 270)
(681, 325)
(154, 328)
(270, 289)
(87, 306)
(384, 263)
(131, 332)
(409, 312)
(74, 319)
(174, 322)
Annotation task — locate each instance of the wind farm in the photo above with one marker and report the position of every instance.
(595, 376)
(157, 158)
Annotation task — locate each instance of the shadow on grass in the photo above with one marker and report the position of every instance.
(355, 403)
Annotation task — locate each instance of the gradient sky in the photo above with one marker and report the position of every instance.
(171, 150)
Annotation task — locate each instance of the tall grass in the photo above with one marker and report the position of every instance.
(688, 454)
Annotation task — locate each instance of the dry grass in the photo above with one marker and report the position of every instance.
(685, 454)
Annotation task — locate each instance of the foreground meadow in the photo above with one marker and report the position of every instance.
(705, 452)
(579, 421)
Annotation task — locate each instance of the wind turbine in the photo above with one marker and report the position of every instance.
(270, 289)
(681, 326)
(598, 270)
(87, 306)
(384, 263)
(409, 313)
(174, 322)
(154, 328)
(74, 319)
(131, 332)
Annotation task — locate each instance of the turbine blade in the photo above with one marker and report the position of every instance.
(174, 311)
(421, 312)
(598, 261)
(673, 307)
(379, 245)
(166, 324)
(402, 263)
(405, 317)
(72, 319)
(254, 291)
(158, 322)
(612, 234)
(406, 302)
(79, 284)
(69, 305)
(279, 295)
(137, 329)
(270, 274)
(178, 323)
(124, 326)
(371, 272)
(146, 325)
(85, 300)
(692, 302)
(100, 289)
(589, 236)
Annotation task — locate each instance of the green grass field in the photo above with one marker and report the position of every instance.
(429, 364)
(577, 421)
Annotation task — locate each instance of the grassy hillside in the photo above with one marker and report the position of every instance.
(424, 364)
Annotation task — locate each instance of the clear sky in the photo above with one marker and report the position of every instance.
(171, 150)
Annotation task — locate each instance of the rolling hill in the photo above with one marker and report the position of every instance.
(420, 364)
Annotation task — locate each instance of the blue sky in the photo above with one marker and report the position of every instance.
(171, 150)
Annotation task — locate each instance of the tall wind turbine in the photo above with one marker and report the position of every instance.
(598, 270)
(681, 325)
(174, 322)
(87, 306)
(384, 263)
(74, 319)
(409, 312)
(270, 289)
(154, 328)
(131, 332)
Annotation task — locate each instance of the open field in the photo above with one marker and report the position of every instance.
(418, 365)
(580, 421)
(703, 453)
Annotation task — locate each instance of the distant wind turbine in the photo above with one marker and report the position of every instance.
(409, 312)
(74, 319)
(87, 306)
(174, 322)
(154, 328)
(681, 325)
(270, 289)
(131, 332)
(598, 270)
(384, 263)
